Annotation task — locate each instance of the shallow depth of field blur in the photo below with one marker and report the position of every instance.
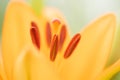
(79, 13)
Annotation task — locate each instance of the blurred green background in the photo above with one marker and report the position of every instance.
(3, 4)
(79, 13)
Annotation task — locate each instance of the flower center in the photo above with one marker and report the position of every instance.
(72, 45)
(35, 36)
(54, 47)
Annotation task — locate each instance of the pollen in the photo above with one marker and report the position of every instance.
(72, 45)
(35, 35)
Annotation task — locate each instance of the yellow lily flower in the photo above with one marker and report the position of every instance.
(40, 47)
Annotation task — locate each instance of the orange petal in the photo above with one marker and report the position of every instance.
(34, 66)
(89, 57)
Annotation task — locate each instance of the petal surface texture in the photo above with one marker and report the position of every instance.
(89, 57)
(33, 65)
(2, 71)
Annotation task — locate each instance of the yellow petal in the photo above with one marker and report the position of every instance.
(115, 53)
(18, 22)
(108, 73)
(89, 57)
(32, 65)
(2, 71)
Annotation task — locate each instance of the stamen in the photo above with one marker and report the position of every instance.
(54, 48)
(72, 45)
(62, 36)
(48, 34)
(35, 36)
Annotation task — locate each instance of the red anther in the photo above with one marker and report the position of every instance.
(54, 48)
(48, 34)
(35, 35)
(72, 45)
(63, 33)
